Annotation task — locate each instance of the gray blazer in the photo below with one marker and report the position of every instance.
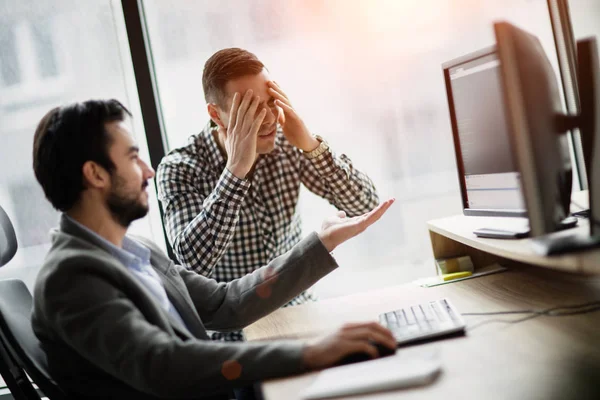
(106, 337)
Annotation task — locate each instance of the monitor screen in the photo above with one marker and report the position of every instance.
(490, 182)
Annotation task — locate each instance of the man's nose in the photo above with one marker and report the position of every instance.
(148, 171)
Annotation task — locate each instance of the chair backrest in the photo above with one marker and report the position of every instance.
(8, 239)
(18, 337)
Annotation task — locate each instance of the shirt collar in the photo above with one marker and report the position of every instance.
(132, 253)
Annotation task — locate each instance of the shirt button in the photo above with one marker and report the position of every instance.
(173, 272)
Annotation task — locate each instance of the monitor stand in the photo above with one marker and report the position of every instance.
(495, 233)
(548, 245)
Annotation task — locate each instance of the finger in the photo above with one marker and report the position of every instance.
(372, 334)
(369, 325)
(287, 110)
(374, 215)
(233, 112)
(244, 105)
(251, 113)
(352, 346)
(275, 86)
(384, 333)
(383, 339)
(278, 86)
(257, 122)
(362, 332)
(279, 96)
(352, 325)
(280, 116)
(341, 214)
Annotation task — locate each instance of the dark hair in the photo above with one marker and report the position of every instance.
(223, 66)
(65, 139)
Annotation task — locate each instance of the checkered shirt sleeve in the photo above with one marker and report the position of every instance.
(200, 222)
(336, 180)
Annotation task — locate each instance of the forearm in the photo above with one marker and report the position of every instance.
(200, 242)
(187, 369)
(234, 305)
(162, 365)
(347, 188)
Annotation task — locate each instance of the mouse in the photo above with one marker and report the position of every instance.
(352, 358)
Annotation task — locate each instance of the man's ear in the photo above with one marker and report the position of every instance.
(95, 176)
(213, 111)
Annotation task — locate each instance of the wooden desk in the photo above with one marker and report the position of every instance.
(453, 236)
(542, 358)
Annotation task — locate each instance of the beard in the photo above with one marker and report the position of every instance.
(125, 207)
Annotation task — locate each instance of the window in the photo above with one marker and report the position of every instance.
(52, 54)
(366, 75)
(584, 17)
(9, 61)
(47, 62)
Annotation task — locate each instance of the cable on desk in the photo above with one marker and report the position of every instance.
(514, 321)
(578, 309)
(502, 312)
(558, 311)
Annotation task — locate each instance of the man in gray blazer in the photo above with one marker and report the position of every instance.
(118, 319)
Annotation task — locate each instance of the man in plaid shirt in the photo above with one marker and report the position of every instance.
(230, 201)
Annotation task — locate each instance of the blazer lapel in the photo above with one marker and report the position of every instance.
(192, 326)
(179, 298)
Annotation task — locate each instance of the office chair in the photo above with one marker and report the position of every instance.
(20, 351)
(8, 239)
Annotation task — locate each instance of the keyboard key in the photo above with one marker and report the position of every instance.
(410, 317)
(391, 318)
(442, 315)
(401, 318)
(407, 331)
(450, 311)
(426, 308)
(419, 316)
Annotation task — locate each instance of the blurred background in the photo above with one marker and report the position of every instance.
(364, 74)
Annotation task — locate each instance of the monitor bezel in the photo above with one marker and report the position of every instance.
(468, 211)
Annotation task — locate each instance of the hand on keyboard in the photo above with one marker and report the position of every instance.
(382, 351)
(351, 339)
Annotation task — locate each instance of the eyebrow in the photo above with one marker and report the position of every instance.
(133, 149)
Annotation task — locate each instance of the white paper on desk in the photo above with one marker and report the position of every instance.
(404, 369)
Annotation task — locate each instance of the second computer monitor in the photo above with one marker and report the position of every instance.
(535, 115)
(488, 177)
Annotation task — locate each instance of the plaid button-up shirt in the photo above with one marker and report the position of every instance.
(224, 227)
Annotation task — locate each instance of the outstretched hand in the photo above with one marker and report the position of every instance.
(339, 228)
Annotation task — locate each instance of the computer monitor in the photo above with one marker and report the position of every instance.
(566, 52)
(487, 173)
(537, 125)
(588, 77)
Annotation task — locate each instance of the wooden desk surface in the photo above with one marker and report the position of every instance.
(542, 358)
